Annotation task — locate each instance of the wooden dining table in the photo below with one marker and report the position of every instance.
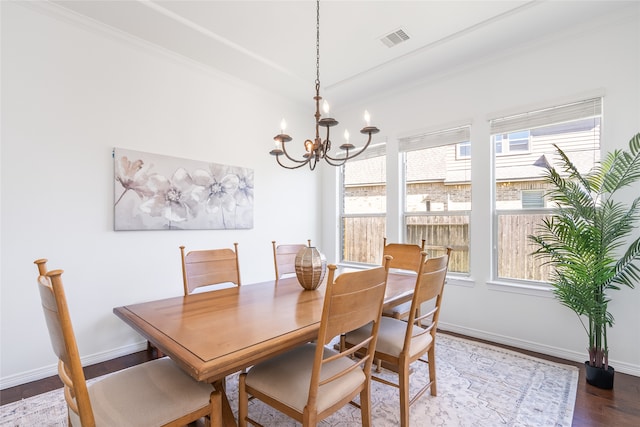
(211, 335)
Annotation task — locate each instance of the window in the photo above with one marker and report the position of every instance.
(464, 150)
(437, 193)
(519, 202)
(512, 143)
(363, 206)
(532, 199)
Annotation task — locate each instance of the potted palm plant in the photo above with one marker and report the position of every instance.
(584, 241)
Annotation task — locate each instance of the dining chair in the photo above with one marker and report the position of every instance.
(42, 266)
(284, 257)
(400, 343)
(155, 393)
(405, 257)
(312, 381)
(209, 267)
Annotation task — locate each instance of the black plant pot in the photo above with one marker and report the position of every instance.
(598, 377)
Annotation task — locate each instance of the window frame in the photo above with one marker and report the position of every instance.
(540, 118)
(445, 136)
(378, 150)
(509, 151)
(459, 146)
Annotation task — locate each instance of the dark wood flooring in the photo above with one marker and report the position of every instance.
(619, 407)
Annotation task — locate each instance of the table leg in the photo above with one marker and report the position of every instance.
(228, 419)
(216, 411)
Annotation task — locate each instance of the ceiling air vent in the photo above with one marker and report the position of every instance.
(395, 38)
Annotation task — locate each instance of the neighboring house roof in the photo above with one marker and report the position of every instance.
(440, 164)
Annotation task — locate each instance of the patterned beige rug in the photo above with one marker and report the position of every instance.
(478, 385)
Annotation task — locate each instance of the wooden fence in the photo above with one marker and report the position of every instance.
(363, 241)
(514, 248)
(364, 237)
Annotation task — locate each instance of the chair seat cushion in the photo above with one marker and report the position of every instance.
(391, 337)
(150, 394)
(398, 310)
(286, 378)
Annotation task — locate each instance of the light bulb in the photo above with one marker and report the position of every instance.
(325, 107)
(283, 126)
(367, 117)
(308, 145)
(346, 135)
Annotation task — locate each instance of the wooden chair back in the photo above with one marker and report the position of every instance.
(174, 394)
(42, 266)
(209, 267)
(405, 256)
(353, 300)
(284, 257)
(429, 287)
(417, 340)
(63, 341)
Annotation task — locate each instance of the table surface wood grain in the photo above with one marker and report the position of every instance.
(211, 335)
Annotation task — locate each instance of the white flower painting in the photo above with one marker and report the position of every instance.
(156, 192)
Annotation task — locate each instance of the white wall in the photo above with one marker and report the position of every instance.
(599, 58)
(71, 92)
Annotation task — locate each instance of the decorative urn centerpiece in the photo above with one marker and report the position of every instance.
(311, 266)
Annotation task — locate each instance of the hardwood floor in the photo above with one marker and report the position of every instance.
(23, 391)
(619, 407)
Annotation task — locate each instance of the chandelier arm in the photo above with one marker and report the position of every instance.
(312, 165)
(291, 167)
(302, 162)
(326, 144)
(330, 161)
(348, 157)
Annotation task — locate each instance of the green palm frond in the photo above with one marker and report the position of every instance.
(620, 168)
(583, 238)
(625, 271)
(571, 169)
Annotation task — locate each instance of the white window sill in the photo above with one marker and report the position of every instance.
(521, 288)
(452, 279)
(465, 281)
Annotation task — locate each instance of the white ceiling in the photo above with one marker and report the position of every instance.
(272, 43)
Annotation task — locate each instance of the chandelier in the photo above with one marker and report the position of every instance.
(317, 149)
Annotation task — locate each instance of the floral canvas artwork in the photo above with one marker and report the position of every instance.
(156, 192)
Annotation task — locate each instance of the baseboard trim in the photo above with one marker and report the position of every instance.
(51, 370)
(626, 368)
(48, 371)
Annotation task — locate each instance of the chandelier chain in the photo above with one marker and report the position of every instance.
(318, 149)
(318, 42)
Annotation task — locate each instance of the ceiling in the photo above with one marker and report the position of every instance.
(272, 43)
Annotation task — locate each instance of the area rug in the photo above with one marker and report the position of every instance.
(478, 385)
